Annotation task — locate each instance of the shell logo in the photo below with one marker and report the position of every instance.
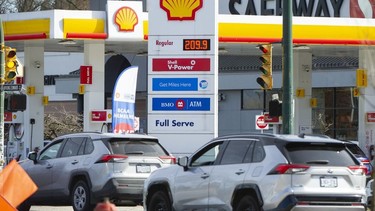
(181, 9)
(362, 8)
(126, 19)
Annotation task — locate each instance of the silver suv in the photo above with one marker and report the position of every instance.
(83, 168)
(261, 172)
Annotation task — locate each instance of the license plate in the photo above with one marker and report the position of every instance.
(143, 168)
(328, 182)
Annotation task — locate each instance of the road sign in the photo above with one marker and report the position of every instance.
(11, 87)
(259, 123)
(271, 120)
(370, 117)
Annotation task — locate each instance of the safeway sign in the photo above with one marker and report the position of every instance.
(260, 123)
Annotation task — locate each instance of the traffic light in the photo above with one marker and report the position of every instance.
(10, 64)
(265, 80)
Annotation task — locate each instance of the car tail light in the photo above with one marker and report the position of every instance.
(365, 161)
(288, 169)
(358, 169)
(168, 159)
(111, 158)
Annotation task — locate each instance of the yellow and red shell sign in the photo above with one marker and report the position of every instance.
(181, 9)
(126, 19)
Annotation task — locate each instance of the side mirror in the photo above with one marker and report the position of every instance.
(32, 156)
(183, 161)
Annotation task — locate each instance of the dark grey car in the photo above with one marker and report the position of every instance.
(81, 169)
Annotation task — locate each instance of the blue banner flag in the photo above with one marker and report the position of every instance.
(123, 101)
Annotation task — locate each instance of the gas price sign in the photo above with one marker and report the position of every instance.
(196, 44)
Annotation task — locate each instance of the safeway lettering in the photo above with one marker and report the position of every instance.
(309, 8)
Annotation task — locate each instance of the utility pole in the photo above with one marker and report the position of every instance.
(287, 109)
(2, 96)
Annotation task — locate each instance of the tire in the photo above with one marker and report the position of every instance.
(80, 197)
(247, 203)
(24, 207)
(159, 202)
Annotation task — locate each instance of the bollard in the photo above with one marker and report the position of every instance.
(106, 205)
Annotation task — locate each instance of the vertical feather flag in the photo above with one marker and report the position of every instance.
(123, 101)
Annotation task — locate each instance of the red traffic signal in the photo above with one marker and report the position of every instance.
(265, 48)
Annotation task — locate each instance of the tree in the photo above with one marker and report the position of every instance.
(12, 6)
(61, 122)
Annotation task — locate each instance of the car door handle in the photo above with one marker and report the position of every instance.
(205, 175)
(240, 171)
(49, 166)
(74, 162)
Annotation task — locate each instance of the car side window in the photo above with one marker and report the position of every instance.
(51, 151)
(89, 146)
(249, 153)
(208, 155)
(258, 154)
(235, 151)
(72, 146)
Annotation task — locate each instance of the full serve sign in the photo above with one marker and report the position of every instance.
(181, 123)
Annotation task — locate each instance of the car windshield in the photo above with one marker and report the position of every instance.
(140, 147)
(319, 154)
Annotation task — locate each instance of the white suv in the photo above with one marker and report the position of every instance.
(81, 169)
(261, 172)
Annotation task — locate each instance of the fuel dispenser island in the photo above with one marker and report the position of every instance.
(16, 141)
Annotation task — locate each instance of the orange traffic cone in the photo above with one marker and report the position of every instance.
(106, 205)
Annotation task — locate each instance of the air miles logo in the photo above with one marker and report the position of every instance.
(362, 8)
(126, 19)
(181, 9)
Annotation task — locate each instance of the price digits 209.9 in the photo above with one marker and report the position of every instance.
(196, 45)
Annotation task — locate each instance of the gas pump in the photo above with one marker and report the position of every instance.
(15, 144)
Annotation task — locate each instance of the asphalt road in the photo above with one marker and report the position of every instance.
(49, 208)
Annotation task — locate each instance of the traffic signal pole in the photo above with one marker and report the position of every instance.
(287, 109)
(2, 95)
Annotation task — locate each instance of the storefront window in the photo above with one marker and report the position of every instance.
(336, 114)
(253, 99)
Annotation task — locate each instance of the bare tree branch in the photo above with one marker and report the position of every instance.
(11, 6)
(61, 122)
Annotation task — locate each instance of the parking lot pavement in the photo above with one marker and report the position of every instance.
(49, 208)
(120, 208)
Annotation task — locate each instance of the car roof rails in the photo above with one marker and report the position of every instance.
(302, 135)
(247, 134)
